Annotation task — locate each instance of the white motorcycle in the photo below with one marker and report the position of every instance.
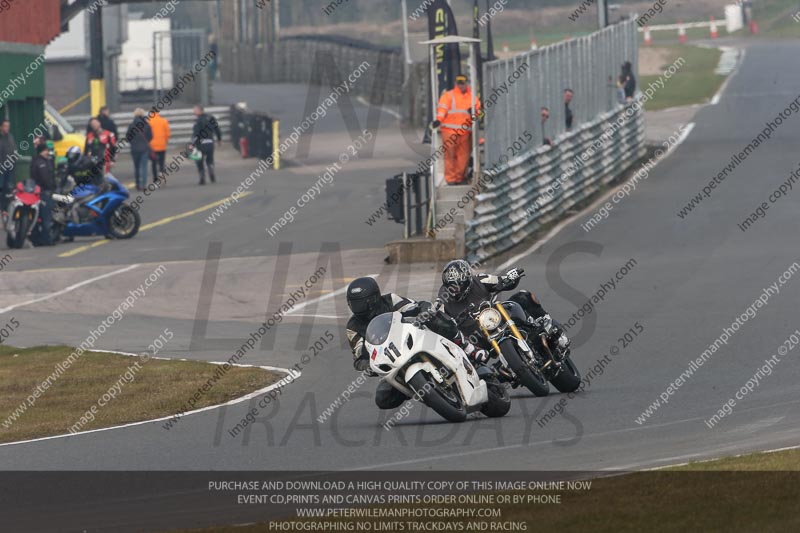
(424, 365)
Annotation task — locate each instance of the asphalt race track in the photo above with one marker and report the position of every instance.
(690, 278)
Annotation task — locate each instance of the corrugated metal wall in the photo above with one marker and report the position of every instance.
(30, 21)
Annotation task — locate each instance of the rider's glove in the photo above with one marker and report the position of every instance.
(514, 274)
(545, 322)
(361, 364)
(436, 124)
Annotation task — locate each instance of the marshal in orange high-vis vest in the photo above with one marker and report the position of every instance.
(454, 113)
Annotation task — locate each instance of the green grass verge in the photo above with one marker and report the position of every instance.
(785, 461)
(775, 18)
(158, 388)
(695, 81)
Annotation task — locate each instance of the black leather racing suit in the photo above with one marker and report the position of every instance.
(386, 396)
(481, 289)
(86, 170)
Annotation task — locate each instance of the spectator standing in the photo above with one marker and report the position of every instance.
(545, 115)
(568, 116)
(203, 133)
(43, 173)
(8, 162)
(621, 89)
(629, 85)
(101, 144)
(214, 49)
(158, 144)
(139, 136)
(106, 122)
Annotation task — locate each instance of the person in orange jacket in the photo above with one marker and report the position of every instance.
(454, 115)
(158, 146)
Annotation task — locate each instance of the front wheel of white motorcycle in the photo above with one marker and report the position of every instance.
(444, 399)
(499, 403)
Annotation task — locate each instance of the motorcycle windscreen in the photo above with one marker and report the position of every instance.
(29, 186)
(378, 329)
(115, 184)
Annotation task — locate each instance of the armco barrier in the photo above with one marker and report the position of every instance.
(540, 186)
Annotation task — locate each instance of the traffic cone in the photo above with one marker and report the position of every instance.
(714, 33)
(681, 33)
(534, 46)
(648, 37)
(505, 47)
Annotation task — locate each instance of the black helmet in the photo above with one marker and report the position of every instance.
(73, 154)
(364, 298)
(457, 277)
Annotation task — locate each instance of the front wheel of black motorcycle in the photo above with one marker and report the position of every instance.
(444, 400)
(531, 378)
(124, 222)
(568, 378)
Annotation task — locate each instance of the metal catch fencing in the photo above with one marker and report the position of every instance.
(540, 186)
(521, 85)
(318, 60)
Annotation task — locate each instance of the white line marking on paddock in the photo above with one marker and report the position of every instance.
(68, 289)
(289, 372)
(563, 224)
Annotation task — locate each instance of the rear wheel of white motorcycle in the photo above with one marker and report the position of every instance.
(568, 378)
(499, 401)
(531, 378)
(124, 222)
(444, 399)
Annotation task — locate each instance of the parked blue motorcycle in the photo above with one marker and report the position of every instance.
(91, 210)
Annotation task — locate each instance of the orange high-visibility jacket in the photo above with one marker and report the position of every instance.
(454, 109)
(161, 133)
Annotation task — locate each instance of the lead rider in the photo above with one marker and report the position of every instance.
(461, 288)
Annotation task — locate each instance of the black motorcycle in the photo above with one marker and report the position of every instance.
(526, 352)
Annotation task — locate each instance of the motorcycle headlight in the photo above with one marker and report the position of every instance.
(489, 319)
